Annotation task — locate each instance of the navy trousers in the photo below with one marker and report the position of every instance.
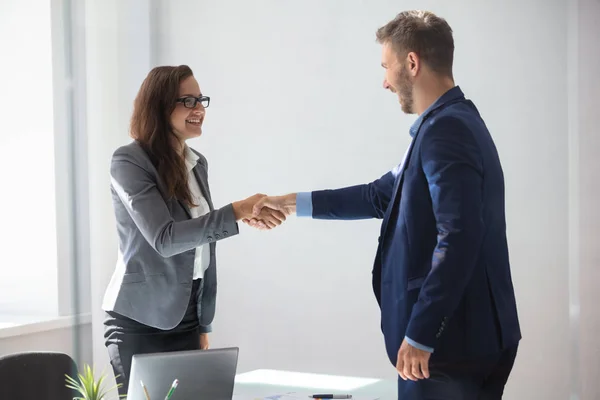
(479, 379)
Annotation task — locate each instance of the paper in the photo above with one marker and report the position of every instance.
(290, 396)
(318, 382)
(283, 396)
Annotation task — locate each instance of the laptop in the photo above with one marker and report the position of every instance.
(202, 374)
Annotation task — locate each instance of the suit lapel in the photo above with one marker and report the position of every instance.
(202, 182)
(201, 177)
(185, 208)
(398, 185)
(163, 189)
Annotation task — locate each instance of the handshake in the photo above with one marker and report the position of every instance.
(265, 212)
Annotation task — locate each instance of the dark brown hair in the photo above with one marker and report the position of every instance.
(151, 127)
(424, 33)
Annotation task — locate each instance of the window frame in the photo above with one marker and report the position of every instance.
(69, 76)
(71, 171)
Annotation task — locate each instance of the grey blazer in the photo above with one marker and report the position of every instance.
(152, 281)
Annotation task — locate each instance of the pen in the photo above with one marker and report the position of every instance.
(173, 387)
(145, 391)
(331, 396)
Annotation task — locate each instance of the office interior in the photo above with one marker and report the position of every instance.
(296, 105)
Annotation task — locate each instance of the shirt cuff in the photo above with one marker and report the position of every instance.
(418, 345)
(304, 206)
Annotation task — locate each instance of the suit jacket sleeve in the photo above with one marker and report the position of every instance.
(354, 202)
(145, 204)
(453, 167)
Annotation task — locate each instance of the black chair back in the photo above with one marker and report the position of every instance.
(36, 376)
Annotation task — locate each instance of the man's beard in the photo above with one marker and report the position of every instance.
(405, 91)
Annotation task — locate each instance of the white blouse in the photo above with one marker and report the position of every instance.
(202, 259)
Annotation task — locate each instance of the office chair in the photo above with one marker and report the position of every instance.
(36, 376)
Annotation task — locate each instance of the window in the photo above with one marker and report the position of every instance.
(36, 204)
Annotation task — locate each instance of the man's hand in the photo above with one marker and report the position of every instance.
(267, 218)
(412, 363)
(283, 204)
(204, 341)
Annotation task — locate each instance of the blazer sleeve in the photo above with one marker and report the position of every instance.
(355, 202)
(138, 192)
(453, 168)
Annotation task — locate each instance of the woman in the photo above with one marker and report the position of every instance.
(162, 294)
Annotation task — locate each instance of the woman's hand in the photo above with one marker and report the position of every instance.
(268, 219)
(204, 341)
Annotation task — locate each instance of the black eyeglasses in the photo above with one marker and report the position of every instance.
(191, 101)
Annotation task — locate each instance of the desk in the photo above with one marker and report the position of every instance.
(260, 384)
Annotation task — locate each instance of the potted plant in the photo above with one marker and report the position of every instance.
(87, 386)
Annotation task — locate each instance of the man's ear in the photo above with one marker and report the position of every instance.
(414, 63)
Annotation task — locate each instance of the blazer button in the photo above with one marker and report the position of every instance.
(210, 238)
(225, 233)
(217, 236)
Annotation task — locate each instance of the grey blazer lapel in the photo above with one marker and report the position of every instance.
(162, 187)
(202, 177)
(185, 208)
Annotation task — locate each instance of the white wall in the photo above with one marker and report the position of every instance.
(297, 105)
(293, 109)
(60, 340)
(588, 274)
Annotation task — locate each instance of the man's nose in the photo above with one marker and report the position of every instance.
(386, 85)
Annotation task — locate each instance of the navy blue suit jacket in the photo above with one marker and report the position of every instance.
(441, 274)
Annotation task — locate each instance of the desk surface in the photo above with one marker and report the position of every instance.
(273, 384)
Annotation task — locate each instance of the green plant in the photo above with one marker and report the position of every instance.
(87, 386)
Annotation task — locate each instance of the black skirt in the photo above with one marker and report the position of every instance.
(125, 337)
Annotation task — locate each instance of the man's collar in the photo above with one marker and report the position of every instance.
(191, 158)
(450, 95)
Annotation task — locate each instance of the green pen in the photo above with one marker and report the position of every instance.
(173, 387)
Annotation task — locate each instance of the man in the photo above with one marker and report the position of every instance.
(441, 274)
